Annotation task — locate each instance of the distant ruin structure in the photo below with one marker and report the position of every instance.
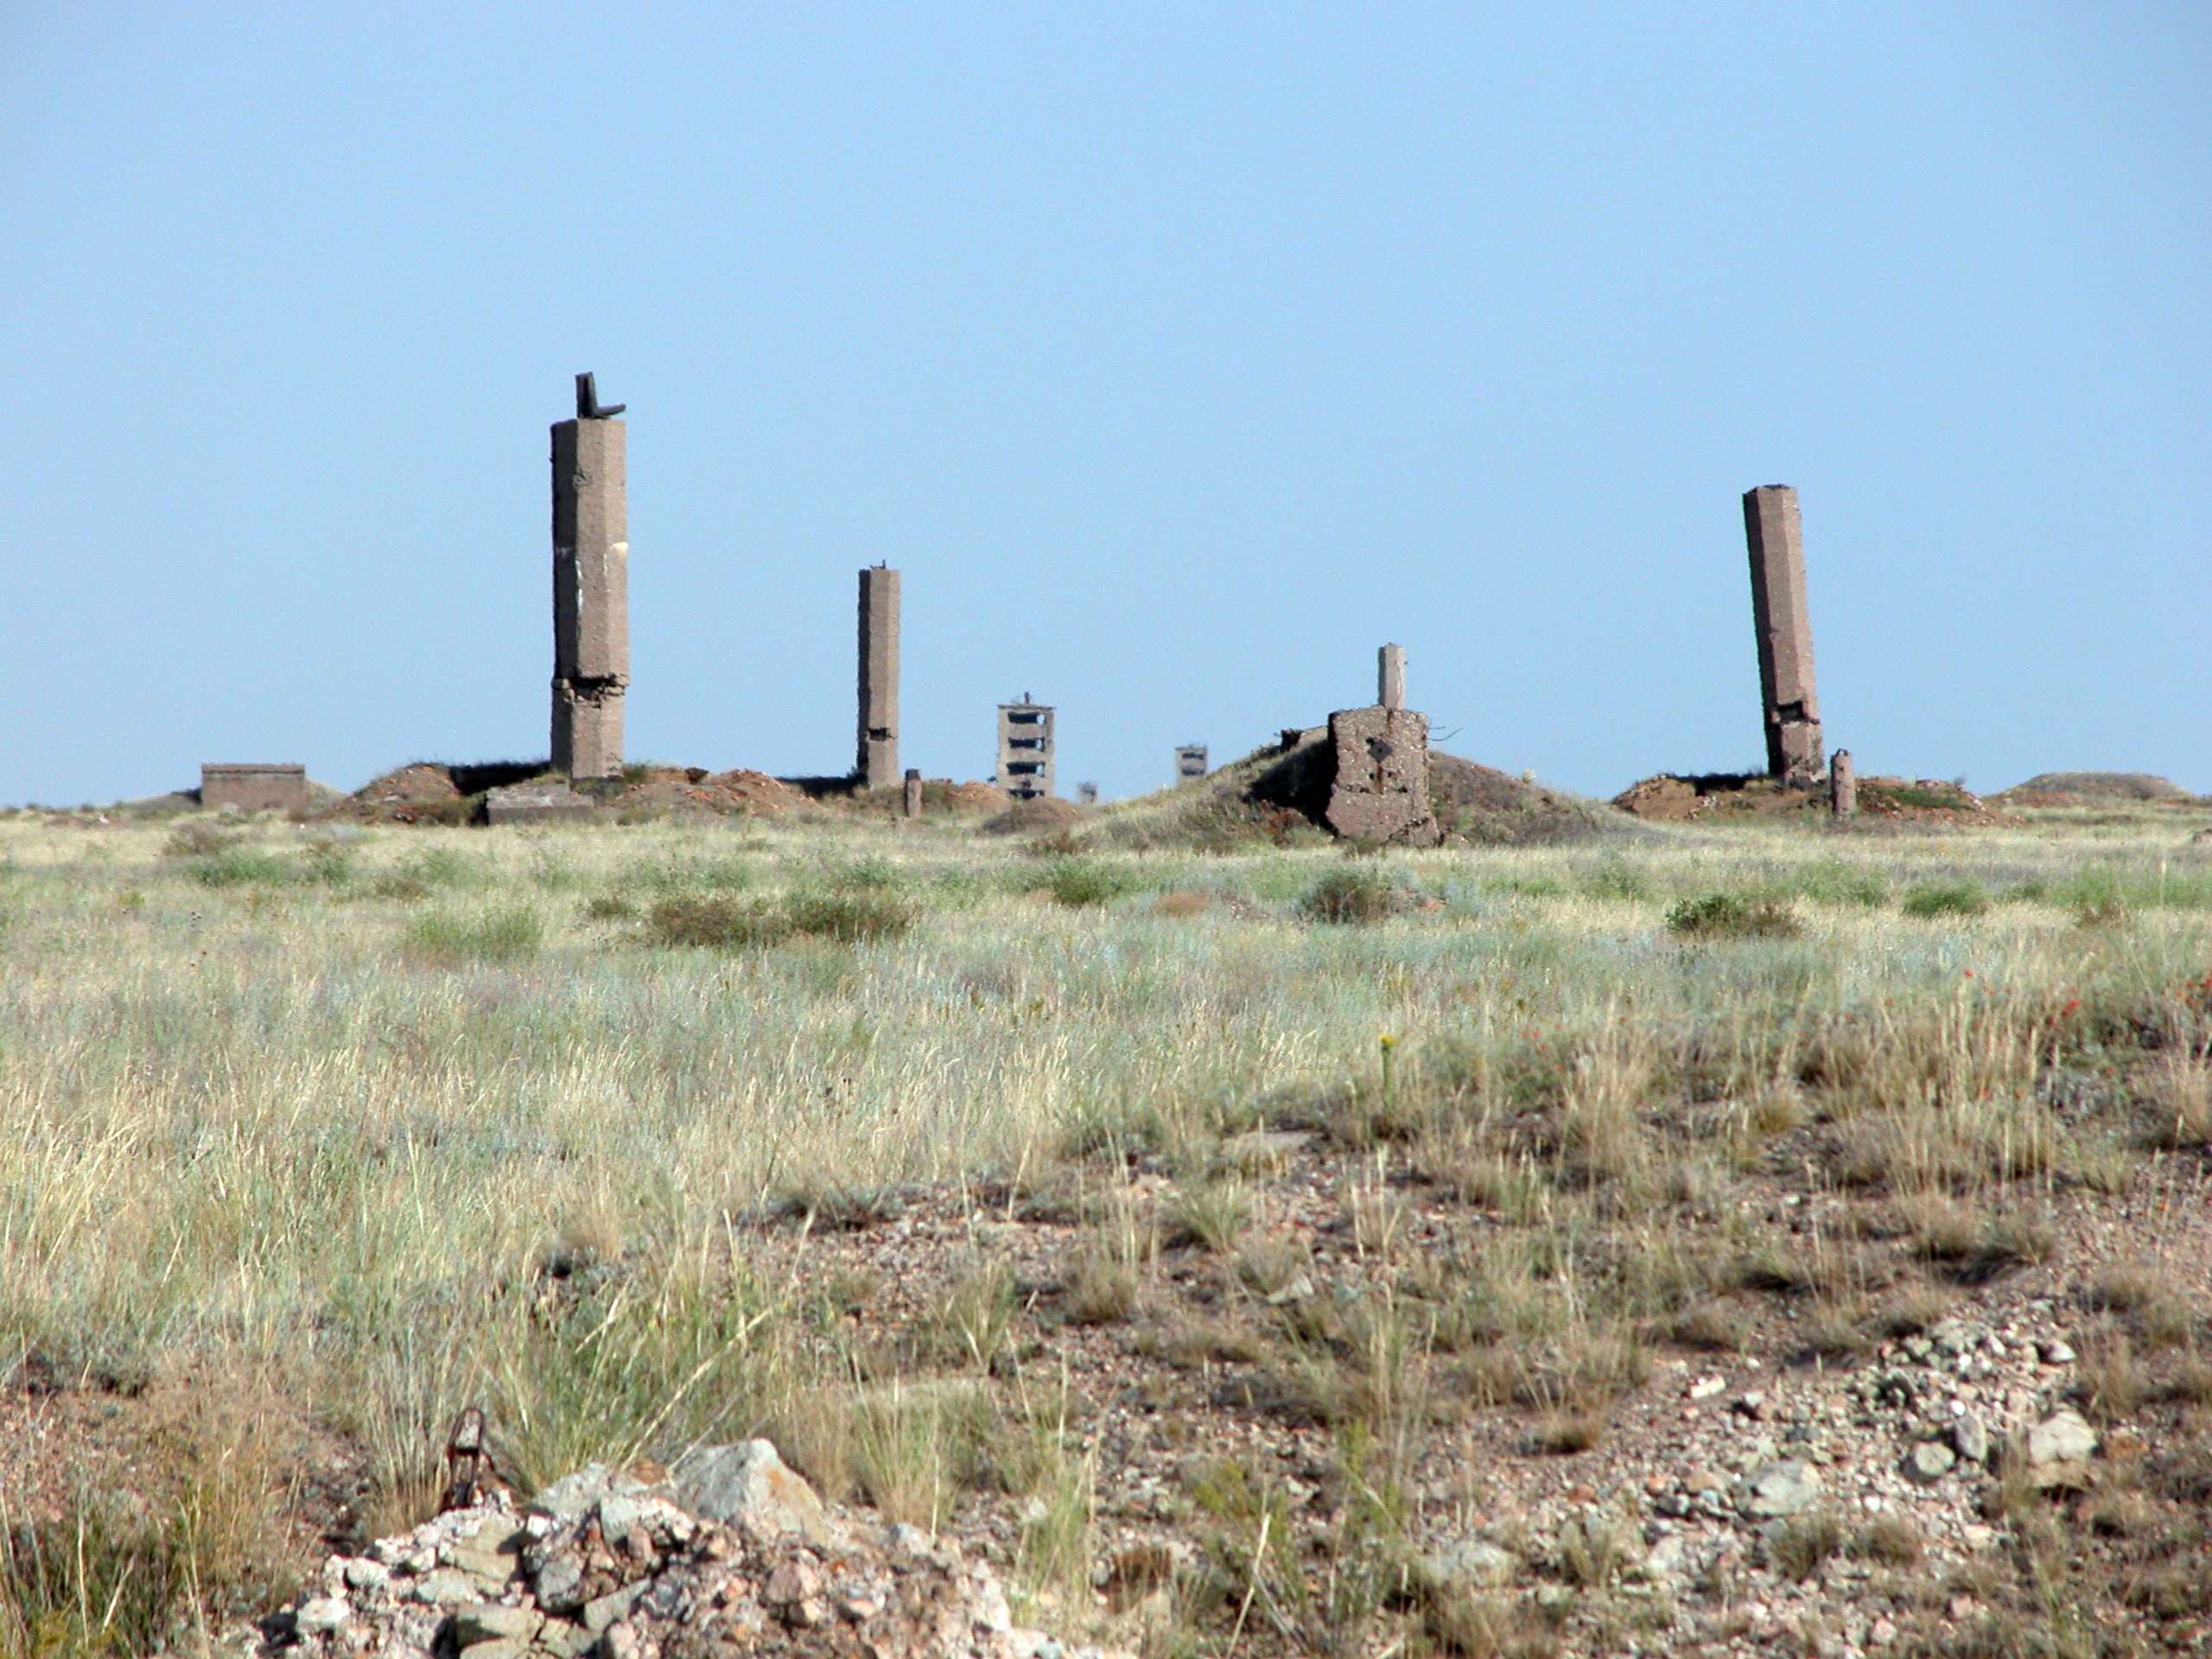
(1378, 791)
(591, 588)
(245, 787)
(1843, 785)
(1190, 764)
(1784, 630)
(1087, 793)
(1390, 677)
(910, 797)
(543, 801)
(1026, 761)
(876, 764)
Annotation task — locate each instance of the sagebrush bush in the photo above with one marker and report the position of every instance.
(1358, 892)
(1732, 916)
(499, 934)
(721, 923)
(1953, 897)
(1079, 882)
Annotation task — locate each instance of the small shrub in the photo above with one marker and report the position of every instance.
(1804, 1543)
(1891, 1540)
(1732, 916)
(502, 934)
(242, 866)
(199, 838)
(719, 923)
(1358, 893)
(1081, 882)
(608, 907)
(1955, 898)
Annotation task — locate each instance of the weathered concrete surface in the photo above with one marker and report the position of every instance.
(1843, 785)
(591, 595)
(1190, 763)
(279, 786)
(1783, 627)
(546, 802)
(876, 762)
(1379, 790)
(1390, 677)
(913, 803)
(1026, 749)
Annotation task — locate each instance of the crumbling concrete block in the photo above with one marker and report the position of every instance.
(1783, 626)
(245, 787)
(913, 803)
(1190, 764)
(1843, 785)
(876, 762)
(1379, 789)
(591, 588)
(547, 801)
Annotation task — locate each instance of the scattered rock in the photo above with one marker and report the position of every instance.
(1970, 1439)
(1780, 1489)
(1471, 1564)
(613, 1566)
(1929, 1461)
(2059, 1449)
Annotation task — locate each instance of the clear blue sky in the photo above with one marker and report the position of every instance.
(1179, 354)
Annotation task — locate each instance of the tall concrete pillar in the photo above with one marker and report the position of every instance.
(912, 799)
(876, 764)
(1843, 785)
(1784, 629)
(591, 588)
(1390, 677)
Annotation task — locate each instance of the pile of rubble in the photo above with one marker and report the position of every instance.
(729, 1552)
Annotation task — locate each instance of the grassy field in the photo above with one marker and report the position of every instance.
(311, 1136)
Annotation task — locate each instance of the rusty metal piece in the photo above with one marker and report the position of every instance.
(467, 1462)
(588, 407)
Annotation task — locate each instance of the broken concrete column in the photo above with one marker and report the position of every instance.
(1784, 630)
(876, 764)
(1379, 789)
(591, 588)
(1390, 677)
(912, 802)
(277, 787)
(1025, 755)
(1190, 764)
(1843, 785)
(1087, 794)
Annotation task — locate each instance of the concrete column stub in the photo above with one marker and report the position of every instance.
(912, 802)
(876, 759)
(1843, 785)
(1390, 677)
(1781, 623)
(591, 591)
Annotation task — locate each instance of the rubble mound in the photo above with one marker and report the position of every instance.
(2094, 789)
(1719, 795)
(1038, 817)
(740, 793)
(1282, 790)
(729, 1553)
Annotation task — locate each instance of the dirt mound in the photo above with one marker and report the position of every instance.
(1281, 791)
(741, 792)
(1037, 818)
(2094, 789)
(1709, 797)
(423, 780)
(973, 797)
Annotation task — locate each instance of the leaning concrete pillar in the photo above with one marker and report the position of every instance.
(912, 802)
(1843, 785)
(591, 588)
(1390, 677)
(876, 763)
(1784, 628)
